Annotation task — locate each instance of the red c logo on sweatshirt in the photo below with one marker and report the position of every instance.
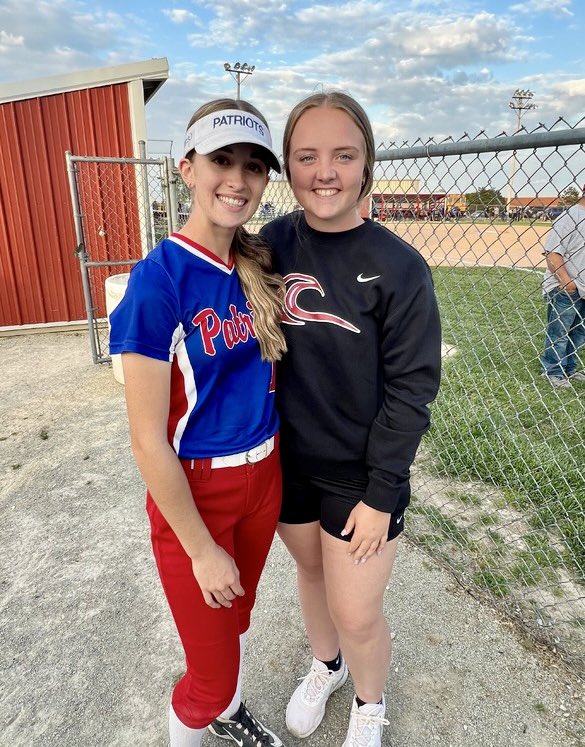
(294, 314)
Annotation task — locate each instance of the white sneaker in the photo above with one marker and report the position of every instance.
(306, 707)
(366, 724)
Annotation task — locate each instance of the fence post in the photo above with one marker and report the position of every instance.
(82, 256)
(171, 181)
(147, 207)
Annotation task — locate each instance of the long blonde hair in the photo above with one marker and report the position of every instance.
(345, 102)
(263, 288)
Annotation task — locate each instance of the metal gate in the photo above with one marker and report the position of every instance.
(122, 207)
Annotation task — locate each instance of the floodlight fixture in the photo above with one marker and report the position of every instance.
(520, 103)
(237, 71)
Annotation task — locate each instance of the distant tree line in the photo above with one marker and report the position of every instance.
(491, 200)
(484, 199)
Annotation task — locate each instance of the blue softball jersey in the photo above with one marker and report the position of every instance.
(184, 305)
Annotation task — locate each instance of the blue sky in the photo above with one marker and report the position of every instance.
(421, 69)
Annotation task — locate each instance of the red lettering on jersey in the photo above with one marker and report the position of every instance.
(229, 333)
(237, 329)
(241, 330)
(249, 319)
(294, 314)
(210, 326)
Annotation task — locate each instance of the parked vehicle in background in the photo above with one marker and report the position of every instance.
(478, 214)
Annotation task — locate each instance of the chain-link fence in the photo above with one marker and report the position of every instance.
(499, 484)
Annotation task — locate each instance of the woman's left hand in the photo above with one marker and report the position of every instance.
(370, 532)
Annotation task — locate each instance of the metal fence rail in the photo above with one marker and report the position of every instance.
(499, 484)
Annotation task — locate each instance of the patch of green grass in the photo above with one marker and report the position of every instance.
(446, 526)
(492, 582)
(526, 571)
(539, 708)
(487, 520)
(469, 499)
(541, 552)
(494, 421)
(415, 507)
(536, 563)
(430, 541)
(44, 434)
(496, 539)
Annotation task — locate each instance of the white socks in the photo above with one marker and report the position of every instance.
(237, 699)
(181, 735)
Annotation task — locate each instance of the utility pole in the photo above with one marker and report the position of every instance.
(237, 71)
(521, 103)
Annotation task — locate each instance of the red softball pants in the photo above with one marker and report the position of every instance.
(240, 507)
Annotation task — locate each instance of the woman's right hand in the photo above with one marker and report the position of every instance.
(218, 576)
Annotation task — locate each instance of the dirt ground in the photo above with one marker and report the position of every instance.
(476, 244)
(88, 651)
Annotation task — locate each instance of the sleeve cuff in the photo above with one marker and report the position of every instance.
(386, 497)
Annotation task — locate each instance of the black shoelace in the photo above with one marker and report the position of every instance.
(248, 722)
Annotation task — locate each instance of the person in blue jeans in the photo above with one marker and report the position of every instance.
(564, 290)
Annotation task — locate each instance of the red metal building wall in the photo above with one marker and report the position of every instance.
(39, 274)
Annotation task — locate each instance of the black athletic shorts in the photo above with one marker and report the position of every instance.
(306, 499)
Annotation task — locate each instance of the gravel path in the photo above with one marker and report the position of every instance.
(87, 648)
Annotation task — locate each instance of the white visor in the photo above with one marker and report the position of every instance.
(228, 127)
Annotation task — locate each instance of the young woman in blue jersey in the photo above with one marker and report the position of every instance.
(363, 362)
(199, 333)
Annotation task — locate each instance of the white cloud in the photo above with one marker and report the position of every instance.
(571, 87)
(460, 39)
(558, 93)
(561, 7)
(10, 40)
(63, 35)
(178, 15)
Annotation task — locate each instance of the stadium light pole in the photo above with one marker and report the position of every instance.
(237, 71)
(521, 103)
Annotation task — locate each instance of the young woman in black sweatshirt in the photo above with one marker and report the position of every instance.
(363, 363)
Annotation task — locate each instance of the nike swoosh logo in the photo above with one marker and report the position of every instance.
(361, 279)
(399, 519)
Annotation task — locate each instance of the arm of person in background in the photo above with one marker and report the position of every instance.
(561, 240)
(147, 384)
(556, 264)
(411, 353)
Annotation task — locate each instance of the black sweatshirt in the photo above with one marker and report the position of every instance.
(364, 339)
